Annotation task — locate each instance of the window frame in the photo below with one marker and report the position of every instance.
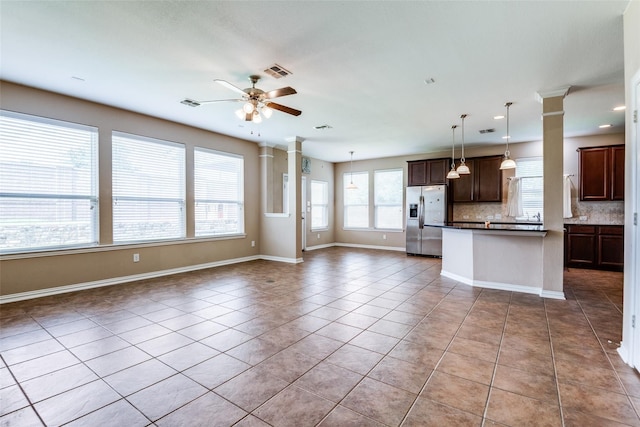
(52, 200)
(323, 205)
(523, 182)
(377, 204)
(346, 179)
(180, 201)
(239, 201)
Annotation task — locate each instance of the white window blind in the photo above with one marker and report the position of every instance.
(319, 204)
(48, 184)
(387, 198)
(219, 193)
(530, 171)
(148, 189)
(356, 201)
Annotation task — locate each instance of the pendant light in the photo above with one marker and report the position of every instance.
(351, 185)
(452, 173)
(508, 162)
(463, 169)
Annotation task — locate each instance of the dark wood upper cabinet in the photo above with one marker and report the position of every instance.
(617, 172)
(484, 184)
(601, 173)
(462, 188)
(488, 179)
(427, 172)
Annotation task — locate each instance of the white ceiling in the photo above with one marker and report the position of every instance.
(358, 66)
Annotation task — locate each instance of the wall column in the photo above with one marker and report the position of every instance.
(552, 143)
(266, 177)
(295, 189)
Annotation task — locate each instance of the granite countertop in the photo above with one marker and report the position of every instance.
(505, 226)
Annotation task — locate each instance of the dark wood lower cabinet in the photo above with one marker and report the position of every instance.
(598, 247)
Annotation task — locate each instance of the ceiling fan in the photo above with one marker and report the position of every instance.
(255, 100)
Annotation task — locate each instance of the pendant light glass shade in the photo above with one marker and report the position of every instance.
(351, 185)
(507, 163)
(463, 169)
(453, 174)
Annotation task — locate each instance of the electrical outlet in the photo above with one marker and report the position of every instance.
(253, 243)
(498, 216)
(384, 237)
(465, 216)
(318, 235)
(583, 217)
(489, 217)
(136, 257)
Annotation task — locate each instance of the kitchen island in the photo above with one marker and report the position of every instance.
(496, 256)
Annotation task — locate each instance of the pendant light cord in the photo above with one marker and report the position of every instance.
(453, 142)
(462, 159)
(507, 153)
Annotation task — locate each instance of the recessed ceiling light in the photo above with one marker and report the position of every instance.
(605, 126)
(498, 117)
(429, 80)
(620, 108)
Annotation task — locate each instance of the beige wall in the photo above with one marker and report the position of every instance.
(35, 272)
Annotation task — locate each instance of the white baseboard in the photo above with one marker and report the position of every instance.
(623, 351)
(316, 247)
(384, 248)
(282, 259)
(503, 286)
(118, 280)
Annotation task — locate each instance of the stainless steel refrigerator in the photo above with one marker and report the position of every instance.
(426, 206)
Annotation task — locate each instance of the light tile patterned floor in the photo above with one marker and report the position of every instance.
(350, 337)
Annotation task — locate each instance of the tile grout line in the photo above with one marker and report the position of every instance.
(444, 353)
(553, 360)
(615, 371)
(495, 367)
(31, 405)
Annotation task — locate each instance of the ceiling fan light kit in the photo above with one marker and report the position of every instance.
(257, 103)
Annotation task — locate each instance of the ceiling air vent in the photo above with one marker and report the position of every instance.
(277, 71)
(487, 130)
(190, 102)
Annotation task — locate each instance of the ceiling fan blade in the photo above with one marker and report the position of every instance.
(284, 109)
(220, 100)
(230, 86)
(283, 91)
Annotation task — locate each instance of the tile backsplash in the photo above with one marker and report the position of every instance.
(609, 213)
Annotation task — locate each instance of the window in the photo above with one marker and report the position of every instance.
(219, 193)
(530, 172)
(387, 198)
(356, 201)
(319, 204)
(148, 189)
(48, 184)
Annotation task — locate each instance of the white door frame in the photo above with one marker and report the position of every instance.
(303, 211)
(630, 346)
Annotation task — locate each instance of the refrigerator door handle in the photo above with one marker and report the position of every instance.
(421, 213)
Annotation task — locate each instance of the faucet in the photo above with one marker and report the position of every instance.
(537, 216)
